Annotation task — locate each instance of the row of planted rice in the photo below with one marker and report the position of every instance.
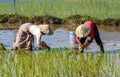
(56, 63)
(63, 8)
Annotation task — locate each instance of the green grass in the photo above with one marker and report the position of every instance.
(64, 8)
(59, 64)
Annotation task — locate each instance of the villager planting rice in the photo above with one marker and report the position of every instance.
(25, 36)
(88, 30)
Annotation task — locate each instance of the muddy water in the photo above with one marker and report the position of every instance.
(60, 38)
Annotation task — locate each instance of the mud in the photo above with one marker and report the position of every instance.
(60, 39)
(72, 20)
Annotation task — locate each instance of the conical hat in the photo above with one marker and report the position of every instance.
(46, 29)
(82, 30)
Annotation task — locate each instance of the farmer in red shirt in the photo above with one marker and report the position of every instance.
(88, 30)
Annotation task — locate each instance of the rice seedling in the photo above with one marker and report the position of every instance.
(58, 63)
(63, 8)
(2, 46)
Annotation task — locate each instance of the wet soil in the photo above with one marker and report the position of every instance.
(15, 20)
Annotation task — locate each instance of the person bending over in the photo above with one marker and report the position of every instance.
(26, 33)
(85, 33)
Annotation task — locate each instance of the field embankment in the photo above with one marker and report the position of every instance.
(15, 20)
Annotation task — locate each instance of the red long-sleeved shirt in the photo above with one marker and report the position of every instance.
(92, 31)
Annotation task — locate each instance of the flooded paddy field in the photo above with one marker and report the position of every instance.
(62, 64)
(61, 39)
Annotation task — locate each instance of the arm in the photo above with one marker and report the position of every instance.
(36, 31)
(38, 37)
(88, 42)
(78, 41)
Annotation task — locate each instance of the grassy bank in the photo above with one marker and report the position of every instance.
(73, 19)
(59, 64)
(15, 20)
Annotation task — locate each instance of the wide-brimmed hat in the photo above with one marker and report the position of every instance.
(46, 29)
(82, 30)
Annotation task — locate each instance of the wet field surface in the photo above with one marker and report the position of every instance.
(61, 39)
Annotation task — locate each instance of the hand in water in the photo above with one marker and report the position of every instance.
(81, 49)
(43, 45)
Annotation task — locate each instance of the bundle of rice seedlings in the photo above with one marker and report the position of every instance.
(2, 46)
(43, 45)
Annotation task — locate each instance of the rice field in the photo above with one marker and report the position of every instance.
(56, 63)
(63, 8)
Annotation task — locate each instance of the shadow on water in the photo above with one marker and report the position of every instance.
(61, 39)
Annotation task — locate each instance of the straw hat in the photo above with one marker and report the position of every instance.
(82, 30)
(46, 29)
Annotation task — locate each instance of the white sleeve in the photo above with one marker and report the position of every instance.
(35, 30)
